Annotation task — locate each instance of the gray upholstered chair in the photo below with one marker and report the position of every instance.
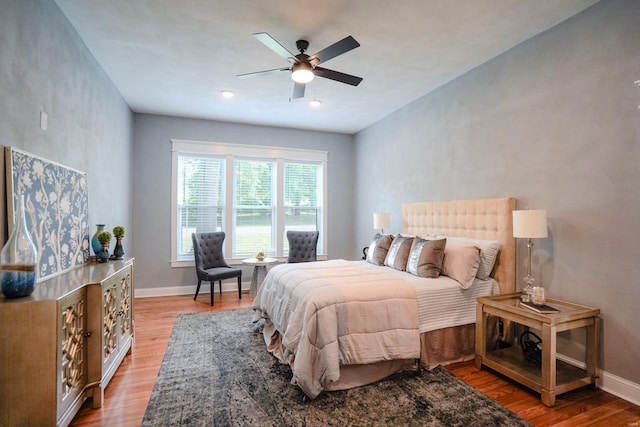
(210, 262)
(302, 245)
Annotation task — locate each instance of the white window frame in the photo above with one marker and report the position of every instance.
(230, 151)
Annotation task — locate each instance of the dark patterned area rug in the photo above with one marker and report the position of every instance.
(217, 372)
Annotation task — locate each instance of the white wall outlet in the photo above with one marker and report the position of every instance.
(43, 120)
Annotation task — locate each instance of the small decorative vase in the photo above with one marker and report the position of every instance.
(18, 259)
(118, 251)
(103, 255)
(95, 243)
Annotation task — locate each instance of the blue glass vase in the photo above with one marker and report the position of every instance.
(18, 259)
(95, 243)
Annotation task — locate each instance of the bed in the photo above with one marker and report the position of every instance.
(341, 324)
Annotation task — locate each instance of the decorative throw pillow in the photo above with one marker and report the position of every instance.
(461, 262)
(378, 248)
(426, 257)
(488, 254)
(398, 253)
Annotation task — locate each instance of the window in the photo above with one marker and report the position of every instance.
(254, 207)
(200, 198)
(302, 210)
(252, 193)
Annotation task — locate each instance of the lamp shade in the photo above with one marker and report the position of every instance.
(530, 224)
(381, 220)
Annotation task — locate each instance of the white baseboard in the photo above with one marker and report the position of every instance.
(610, 383)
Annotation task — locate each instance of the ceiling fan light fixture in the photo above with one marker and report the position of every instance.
(302, 72)
(303, 67)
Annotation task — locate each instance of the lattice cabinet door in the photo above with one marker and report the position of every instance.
(125, 302)
(117, 321)
(109, 321)
(72, 351)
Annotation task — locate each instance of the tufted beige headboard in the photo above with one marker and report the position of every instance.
(489, 219)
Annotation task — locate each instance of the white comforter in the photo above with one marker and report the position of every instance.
(335, 313)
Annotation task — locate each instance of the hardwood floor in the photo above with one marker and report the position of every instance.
(127, 395)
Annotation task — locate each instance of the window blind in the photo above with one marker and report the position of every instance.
(254, 207)
(200, 197)
(302, 193)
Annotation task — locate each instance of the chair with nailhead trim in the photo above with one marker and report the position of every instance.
(210, 262)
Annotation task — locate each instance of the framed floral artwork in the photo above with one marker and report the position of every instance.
(56, 209)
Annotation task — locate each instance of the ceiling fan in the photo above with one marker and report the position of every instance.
(304, 67)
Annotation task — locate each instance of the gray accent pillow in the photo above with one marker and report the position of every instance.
(378, 248)
(426, 257)
(399, 252)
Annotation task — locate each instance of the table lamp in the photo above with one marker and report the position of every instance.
(381, 220)
(529, 224)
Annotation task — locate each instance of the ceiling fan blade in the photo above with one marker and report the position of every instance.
(272, 44)
(337, 76)
(262, 73)
(345, 45)
(298, 90)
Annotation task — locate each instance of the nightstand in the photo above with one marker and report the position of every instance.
(555, 376)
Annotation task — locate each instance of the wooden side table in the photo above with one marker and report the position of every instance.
(555, 376)
(259, 272)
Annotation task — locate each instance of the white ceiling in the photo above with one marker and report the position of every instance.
(174, 57)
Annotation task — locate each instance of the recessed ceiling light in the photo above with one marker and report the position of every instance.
(227, 94)
(315, 103)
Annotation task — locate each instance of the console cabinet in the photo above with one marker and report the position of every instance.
(63, 343)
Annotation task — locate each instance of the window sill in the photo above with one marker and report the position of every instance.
(231, 261)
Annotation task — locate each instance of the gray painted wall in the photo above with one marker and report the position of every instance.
(555, 123)
(152, 187)
(44, 66)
